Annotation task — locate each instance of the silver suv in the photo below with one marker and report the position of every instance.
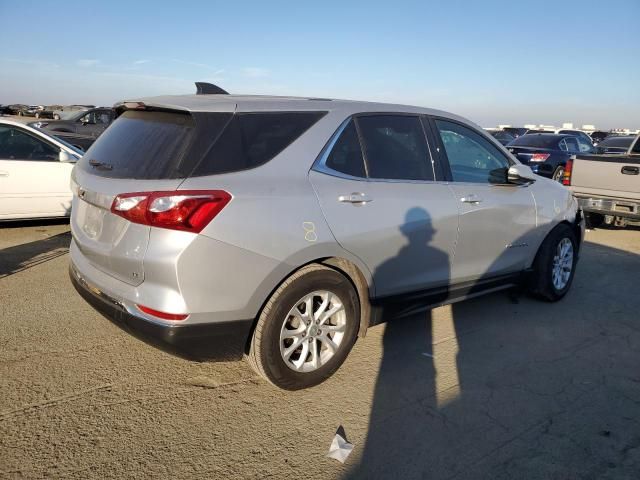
(217, 226)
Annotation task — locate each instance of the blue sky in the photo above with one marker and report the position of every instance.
(491, 61)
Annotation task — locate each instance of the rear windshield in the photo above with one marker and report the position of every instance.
(161, 145)
(536, 140)
(617, 142)
(142, 145)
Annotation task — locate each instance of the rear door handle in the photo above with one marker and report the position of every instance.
(627, 170)
(472, 198)
(355, 198)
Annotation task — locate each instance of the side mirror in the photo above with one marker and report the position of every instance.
(519, 174)
(66, 157)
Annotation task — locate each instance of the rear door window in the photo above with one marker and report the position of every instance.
(346, 154)
(395, 147)
(252, 139)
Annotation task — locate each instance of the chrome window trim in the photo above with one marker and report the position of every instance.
(320, 165)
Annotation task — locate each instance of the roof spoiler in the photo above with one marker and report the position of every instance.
(204, 88)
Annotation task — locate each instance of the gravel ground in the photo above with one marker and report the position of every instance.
(499, 387)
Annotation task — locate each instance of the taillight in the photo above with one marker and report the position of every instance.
(163, 315)
(187, 210)
(566, 176)
(539, 157)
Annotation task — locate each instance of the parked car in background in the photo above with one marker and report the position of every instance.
(515, 131)
(68, 110)
(322, 215)
(30, 110)
(586, 143)
(503, 137)
(598, 136)
(35, 173)
(615, 144)
(79, 128)
(545, 153)
(607, 186)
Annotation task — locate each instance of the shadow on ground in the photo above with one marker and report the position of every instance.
(21, 257)
(505, 386)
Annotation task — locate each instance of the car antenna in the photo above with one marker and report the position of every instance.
(204, 88)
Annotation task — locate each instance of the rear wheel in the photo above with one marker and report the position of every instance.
(306, 329)
(555, 264)
(557, 175)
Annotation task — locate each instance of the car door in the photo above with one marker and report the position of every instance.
(497, 220)
(375, 184)
(33, 182)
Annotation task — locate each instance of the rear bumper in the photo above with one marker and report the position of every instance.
(200, 342)
(610, 206)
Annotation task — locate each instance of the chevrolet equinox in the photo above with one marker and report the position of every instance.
(217, 226)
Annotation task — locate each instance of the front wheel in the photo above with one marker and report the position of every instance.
(306, 329)
(555, 264)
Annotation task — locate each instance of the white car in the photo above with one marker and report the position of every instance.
(35, 173)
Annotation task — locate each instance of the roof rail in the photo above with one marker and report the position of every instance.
(204, 88)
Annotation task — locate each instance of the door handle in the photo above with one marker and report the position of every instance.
(356, 198)
(627, 170)
(473, 199)
(4, 174)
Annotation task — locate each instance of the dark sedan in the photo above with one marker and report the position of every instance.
(546, 153)
(80, 128)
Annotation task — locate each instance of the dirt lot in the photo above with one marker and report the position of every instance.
(497, 387)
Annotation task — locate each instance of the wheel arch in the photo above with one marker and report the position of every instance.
(347, 268)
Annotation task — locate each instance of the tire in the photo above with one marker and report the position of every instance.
(593, 220)
(557, 175)
(268, 350)
(542, 282)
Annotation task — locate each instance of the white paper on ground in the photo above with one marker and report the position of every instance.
(339, 449)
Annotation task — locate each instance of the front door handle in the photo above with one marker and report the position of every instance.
(472, 198)
(355, 198)
(4, 174)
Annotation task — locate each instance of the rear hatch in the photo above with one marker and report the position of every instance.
(142, 151)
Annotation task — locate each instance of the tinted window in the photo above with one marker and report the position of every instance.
(624, 142)
(395, 147)
(636, 146)
(472, 157)
(346, 154)
(252, 139)
(570, 144)
(143, 145)
(537, 140)
(17, 144)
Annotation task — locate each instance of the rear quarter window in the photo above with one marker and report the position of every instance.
(252, 139)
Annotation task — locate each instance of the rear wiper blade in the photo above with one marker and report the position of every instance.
(100, 165)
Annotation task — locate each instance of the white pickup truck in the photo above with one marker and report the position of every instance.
(607, 186)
